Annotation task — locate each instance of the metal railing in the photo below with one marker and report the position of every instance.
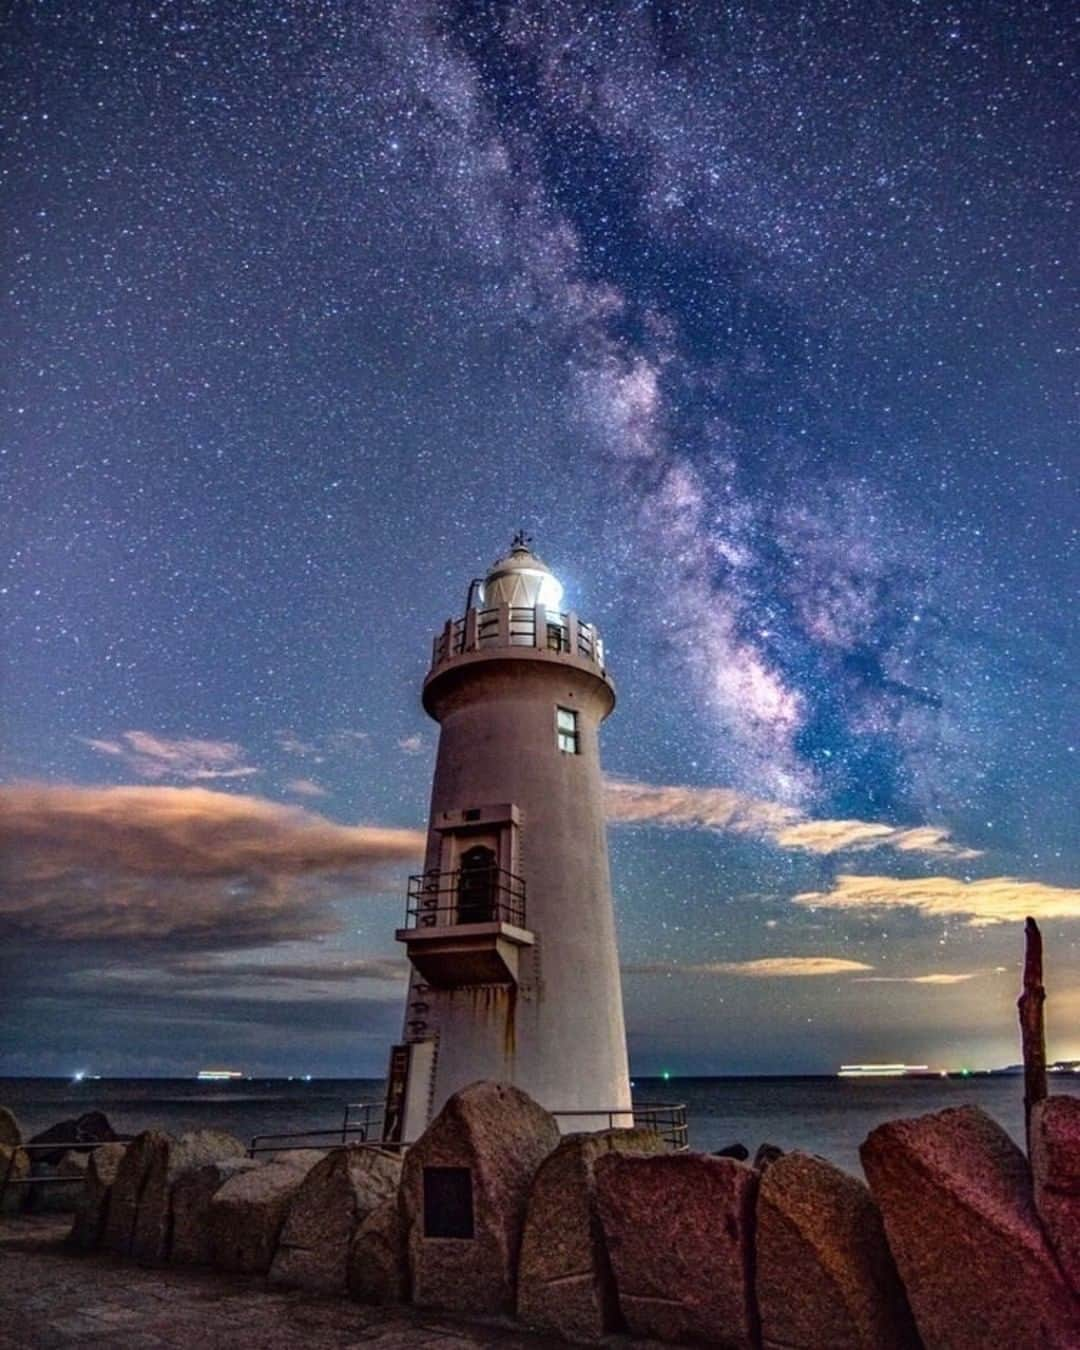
(518, 626)
(361, 1124)
(80, 1146)
(465, 896)
(667, 1119)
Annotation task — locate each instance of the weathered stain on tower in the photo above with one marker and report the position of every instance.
(510, 929)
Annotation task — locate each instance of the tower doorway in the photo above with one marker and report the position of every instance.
(476, 887)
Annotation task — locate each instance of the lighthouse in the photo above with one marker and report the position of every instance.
(510, 928)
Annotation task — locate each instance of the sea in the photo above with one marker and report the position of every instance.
(826, 1116)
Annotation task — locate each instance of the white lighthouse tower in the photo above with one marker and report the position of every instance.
(510, 929)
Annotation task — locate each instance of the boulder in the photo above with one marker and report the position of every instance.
(565, 1284)
(378, 1270)
(10, 1134)
(14, 1166)
(825, 1275)
(1055, 1162)
(679, 1230)
(247, 1213)
(144, 1151)
(92, 1209)
(92, 1127)
(956, 1197)
(464, 1190)
(152, 1234)
(191, 1195)
(766, 1155)
(334, 1198)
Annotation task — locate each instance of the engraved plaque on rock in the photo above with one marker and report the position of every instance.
(448, 1203)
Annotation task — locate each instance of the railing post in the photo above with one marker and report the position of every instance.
(470, 631)
(572, 633)
(540, 626)
(502, 626)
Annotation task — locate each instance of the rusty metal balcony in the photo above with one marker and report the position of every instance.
(466, 927)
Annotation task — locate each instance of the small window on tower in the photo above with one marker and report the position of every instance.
(566, 730)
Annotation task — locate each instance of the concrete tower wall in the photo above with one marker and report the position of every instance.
(559, 1035)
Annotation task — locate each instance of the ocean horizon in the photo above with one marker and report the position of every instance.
(820, 1114)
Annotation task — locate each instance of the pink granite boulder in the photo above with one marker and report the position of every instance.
(825, 1275)
(464, 1190)
(956, 1197)
(1055, 1162)
(378, 1270)
(247, 1213)
(565, 1284)
(143, 1153)
(92, 1208)
(152, 1235)
(679, 1231)
(192, 1193)
(333, 1199)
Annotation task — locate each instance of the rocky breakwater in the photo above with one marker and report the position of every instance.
(955, 1243)
(958, 1203)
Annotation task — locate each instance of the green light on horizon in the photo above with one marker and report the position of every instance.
(665, 1075)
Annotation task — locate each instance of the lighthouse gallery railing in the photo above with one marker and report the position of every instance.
(518, 626)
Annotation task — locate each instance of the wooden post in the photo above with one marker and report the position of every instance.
(1032, 1029)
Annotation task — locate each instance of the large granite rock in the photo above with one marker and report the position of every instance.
(152, 1234)
(10, 1134)
(679, 1230)
(464, 1190)
(334, 1198)
(191, 1195)
(1055, 1163)
(88, 1227)
(565, 1282)
(247, 1213)
(956, 1196)
(92, 1127)
(825, 1275)
(141, 1155)
(14, 1165)
(378, 1270)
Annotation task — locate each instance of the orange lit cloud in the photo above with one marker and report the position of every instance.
(981, 903)
(723, 809)
(943, 978)
(155, 757)
(179, 865)
(766, 967)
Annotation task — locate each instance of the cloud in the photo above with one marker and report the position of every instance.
(306, 787)
(724, 809)
(942, 978)
(987, 901)
(177, 865)
(411, 745)
(342, 971)
(766, 967)
(844, 836)
(154, 757)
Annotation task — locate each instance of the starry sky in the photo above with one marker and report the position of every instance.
(761, 319)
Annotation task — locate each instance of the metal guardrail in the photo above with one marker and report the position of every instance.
(667, 1119)
(464, 896)
(78, 1146)
(361, 1124)
(518, 626)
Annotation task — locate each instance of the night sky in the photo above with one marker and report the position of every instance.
(760, 319)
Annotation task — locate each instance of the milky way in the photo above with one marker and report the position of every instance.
(761, 320)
